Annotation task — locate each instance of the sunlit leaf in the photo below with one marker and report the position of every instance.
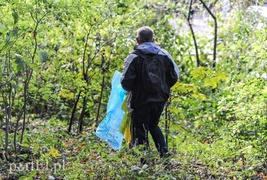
(210, 82)
(202, 97)
(221, 76)
(174, 110)
(264, 92)
(65, 93)
(53, 152)
(200, 72)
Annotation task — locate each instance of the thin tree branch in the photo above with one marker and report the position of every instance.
(192, 31)
(215, 32)
(73, 111)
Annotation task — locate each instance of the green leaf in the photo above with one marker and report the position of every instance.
(1, 71)
(35, 67)
(20, 63)
(43, 56)
(264, 92)
(46, 97)
(25, 178)
(14, 32)
(25, 145)
(246, 150)
(33, 173)
(2, 29)
(36, 147)
(15, 16)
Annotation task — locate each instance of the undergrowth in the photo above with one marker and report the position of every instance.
(50, 152)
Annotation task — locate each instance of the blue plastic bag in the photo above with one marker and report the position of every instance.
(109, 129)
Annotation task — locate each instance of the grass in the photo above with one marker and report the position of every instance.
(53, 153)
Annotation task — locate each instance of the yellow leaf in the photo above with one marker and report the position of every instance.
(65, 93)
(221, 76)
(211, 82)
(107, 50)
(53, 152)
(174, 110)
(202, 97)
(184, 88)
(200, 72)
(80, 74)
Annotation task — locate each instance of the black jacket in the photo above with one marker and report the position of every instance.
(132, 74)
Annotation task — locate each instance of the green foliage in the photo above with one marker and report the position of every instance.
(53, 51)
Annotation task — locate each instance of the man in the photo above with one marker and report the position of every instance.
(147, 106)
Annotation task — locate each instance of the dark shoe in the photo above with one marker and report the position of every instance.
(165, 155)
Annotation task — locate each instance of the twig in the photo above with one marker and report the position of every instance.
(215, 32)
(193, 34)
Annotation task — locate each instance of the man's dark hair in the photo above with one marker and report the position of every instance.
(145, 34)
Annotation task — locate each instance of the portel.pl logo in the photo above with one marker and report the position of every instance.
(31, 166)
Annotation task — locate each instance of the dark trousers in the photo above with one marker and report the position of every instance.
(145, 119)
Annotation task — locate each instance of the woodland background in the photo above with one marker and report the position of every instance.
(57, 59)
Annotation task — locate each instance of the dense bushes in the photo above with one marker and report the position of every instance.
(57, 59)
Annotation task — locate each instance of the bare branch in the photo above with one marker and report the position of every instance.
(215, 32)
(192, 31)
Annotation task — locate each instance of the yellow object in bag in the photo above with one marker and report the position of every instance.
(125, 127)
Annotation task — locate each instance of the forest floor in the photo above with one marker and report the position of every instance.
(49, 152)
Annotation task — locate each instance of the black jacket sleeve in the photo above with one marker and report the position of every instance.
(171, 74)
(128, 78)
